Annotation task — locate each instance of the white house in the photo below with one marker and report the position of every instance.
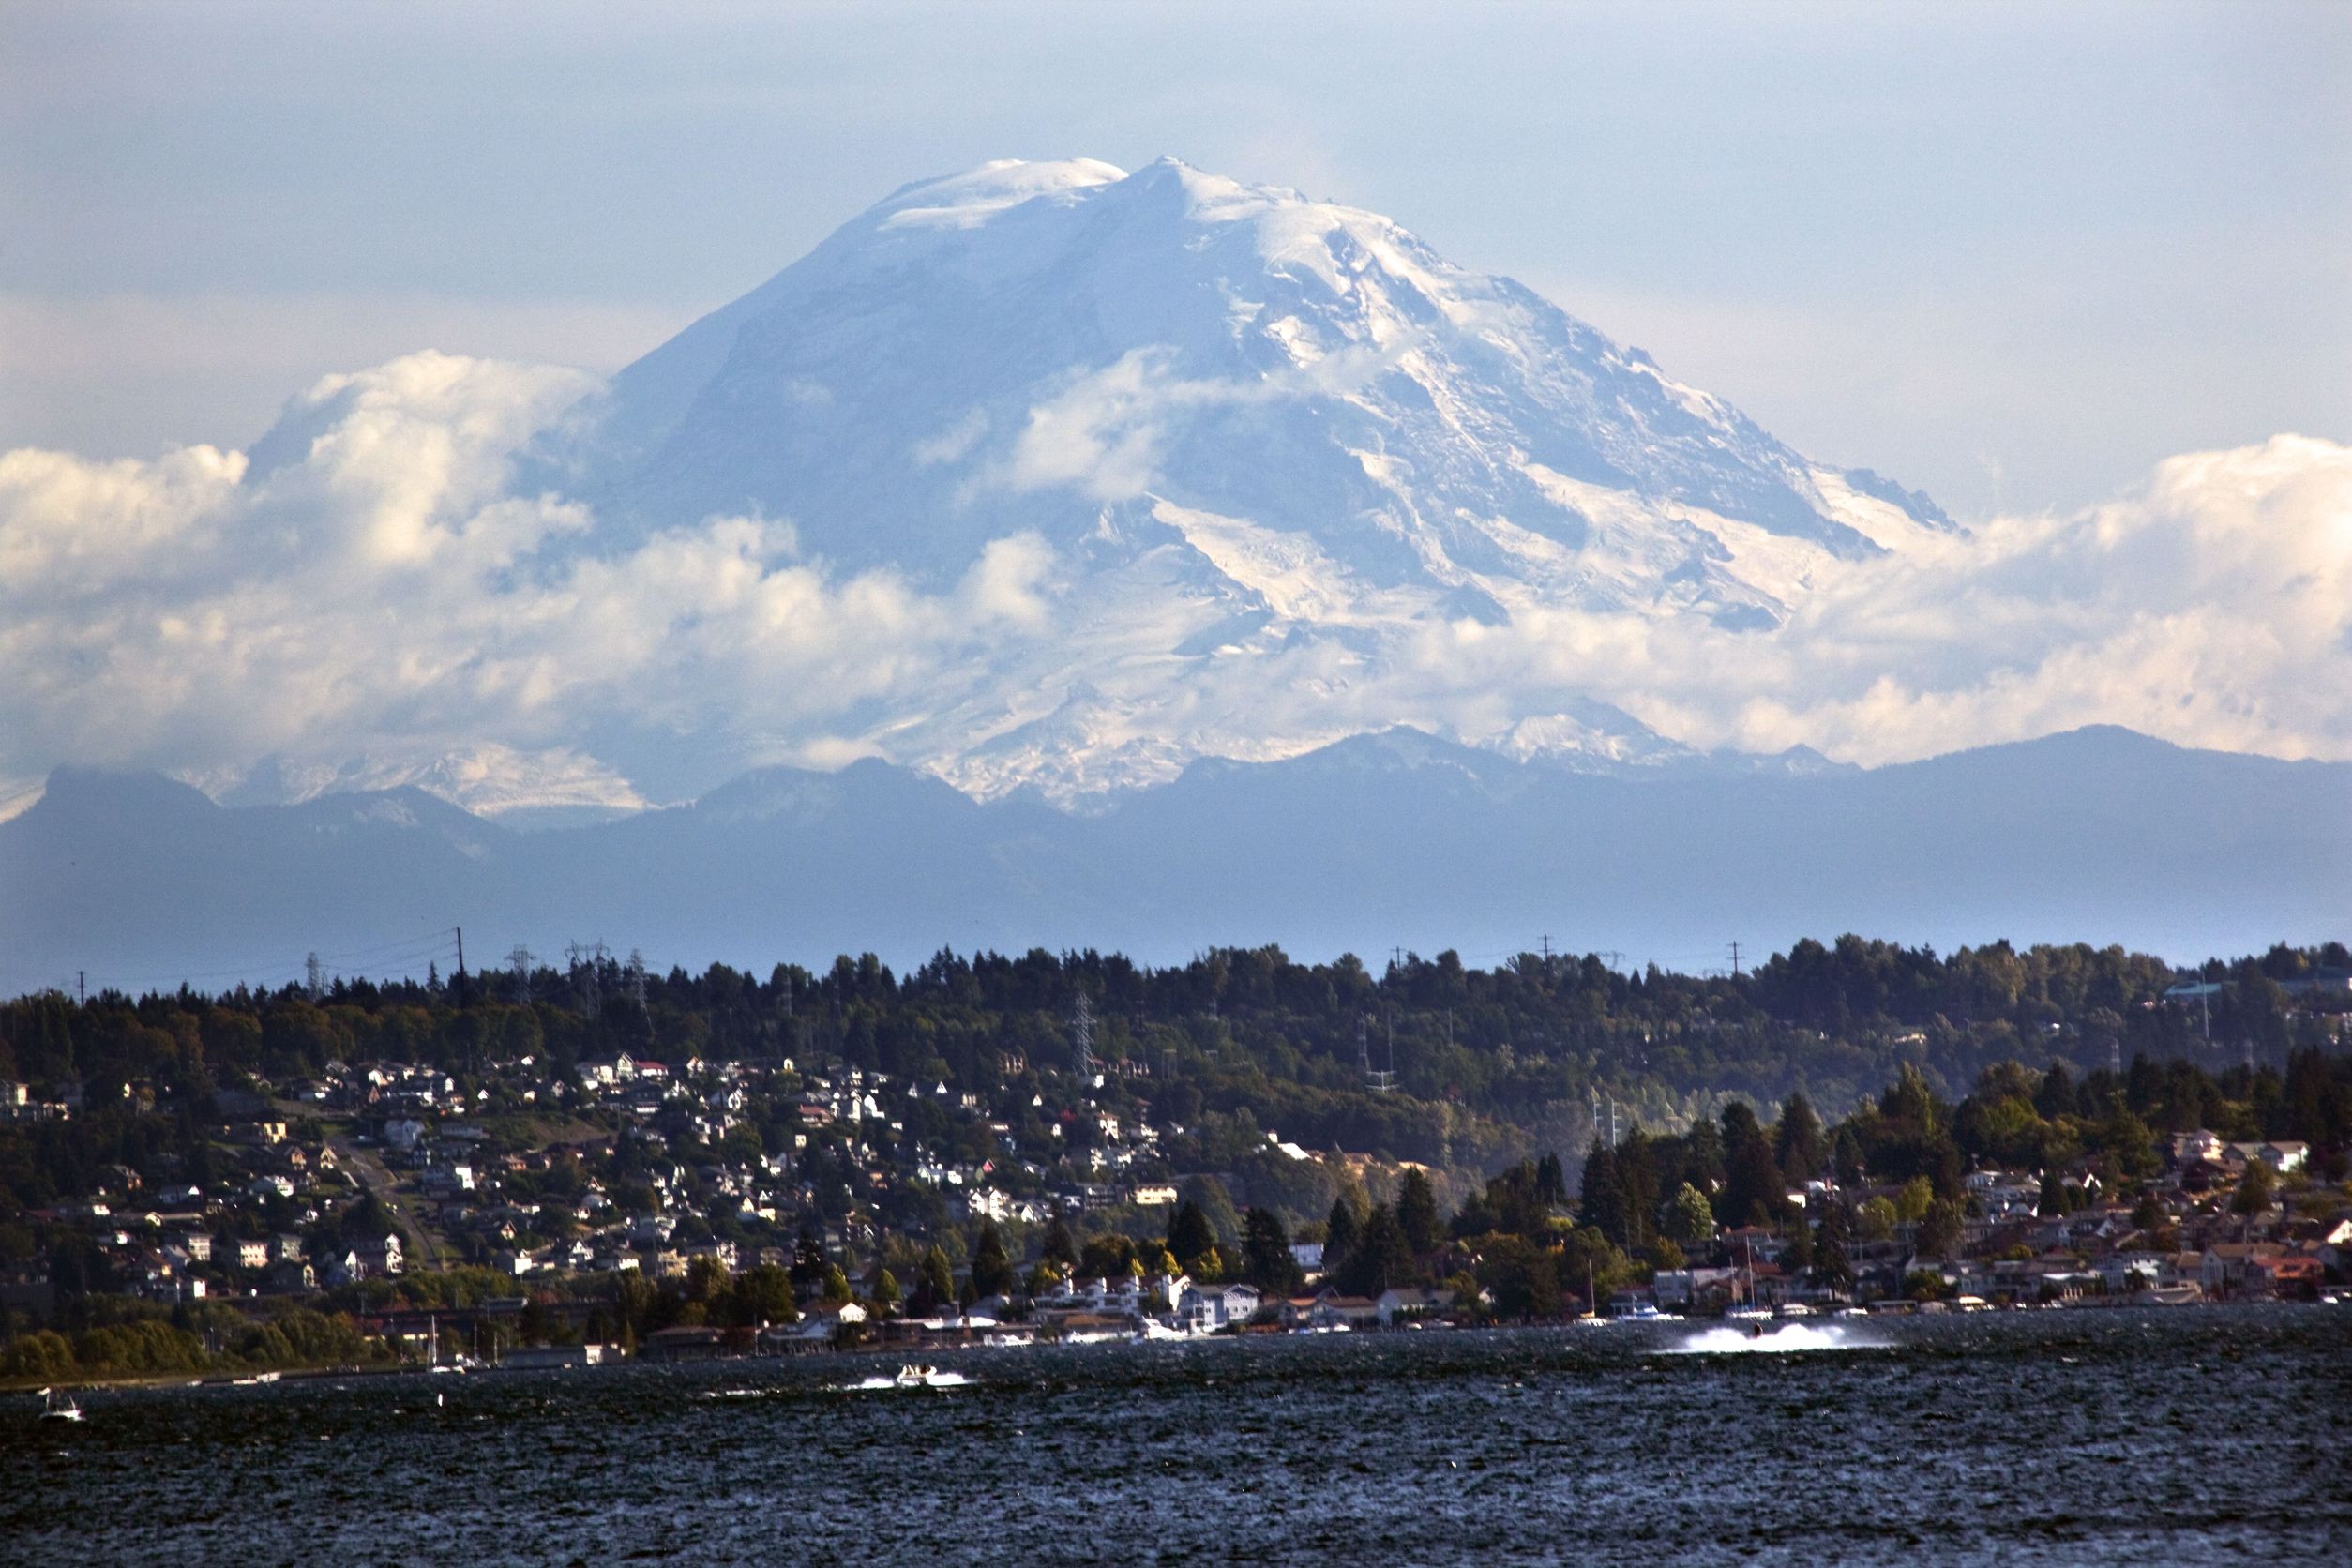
(1410, 1302)
(1206, 1308)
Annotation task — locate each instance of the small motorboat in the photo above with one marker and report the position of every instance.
(53, 1409)
(1642, 1312)
(911, 1376)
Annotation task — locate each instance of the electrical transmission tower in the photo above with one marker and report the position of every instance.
(586, 966)
(520, 960)
(1380, 1081)
(314, 977)
(633, 977)
(1082, 1036)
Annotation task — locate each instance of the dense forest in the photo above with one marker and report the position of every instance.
(1531, 1045)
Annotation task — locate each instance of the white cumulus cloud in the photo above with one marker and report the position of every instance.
(366, 597)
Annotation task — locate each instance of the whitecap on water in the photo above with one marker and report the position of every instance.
(1780, 1340)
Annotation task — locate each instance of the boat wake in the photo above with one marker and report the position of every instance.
(909, 1377)
(1771, 1341)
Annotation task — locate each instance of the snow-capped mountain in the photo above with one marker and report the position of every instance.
(1195, 469)
(1269, 442)
(545, 789)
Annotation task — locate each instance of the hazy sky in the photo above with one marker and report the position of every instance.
(2013, 255)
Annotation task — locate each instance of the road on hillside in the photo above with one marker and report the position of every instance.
(368, 1168)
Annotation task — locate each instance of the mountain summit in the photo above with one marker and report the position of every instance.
(1256, 450)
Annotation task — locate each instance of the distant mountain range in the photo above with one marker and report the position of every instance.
(1387, 839)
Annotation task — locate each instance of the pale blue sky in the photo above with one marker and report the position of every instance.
(2013, 254)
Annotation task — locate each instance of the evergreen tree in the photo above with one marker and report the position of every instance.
(2053, 1202)
(1216, 1207)
(1551, 1180)
(934, 1284)
(1060, 1246)
(991, 1268)
(1939, 1230)
(1339, 1234)
(1831, 1264)
(1799, 1142)
(1190, 1234)
(2255, 1190)
(1417, 1212)
(1599, 1201)
(1754, 1191)
(1266, 1259)
(1379, 1260)
(1637, 1188)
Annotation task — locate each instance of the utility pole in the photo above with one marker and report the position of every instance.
(460, 931)
(1735, 962)
(82, 988)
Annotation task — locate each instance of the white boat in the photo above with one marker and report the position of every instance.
(1752, 1312)
(1642, 1312)
(53, 1409)
(911, 1376)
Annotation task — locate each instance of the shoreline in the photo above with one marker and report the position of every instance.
(316, 1374)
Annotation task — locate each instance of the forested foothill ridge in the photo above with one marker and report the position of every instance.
(1051, 1144)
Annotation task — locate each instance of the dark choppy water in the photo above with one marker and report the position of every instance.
(2191, 1436)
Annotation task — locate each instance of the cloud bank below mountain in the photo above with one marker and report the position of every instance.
(372, 587)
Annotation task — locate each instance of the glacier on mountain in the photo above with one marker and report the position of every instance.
(1269, 444)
